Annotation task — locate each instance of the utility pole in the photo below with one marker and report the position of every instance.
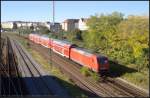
(0, 44)
(53, 31)
(53, 12)
(0, 57)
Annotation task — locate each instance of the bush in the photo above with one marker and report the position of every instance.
(85, 71)
(95, 76)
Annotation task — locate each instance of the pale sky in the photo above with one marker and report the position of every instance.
(42, 10)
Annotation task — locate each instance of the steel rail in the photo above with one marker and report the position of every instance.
(13, 63)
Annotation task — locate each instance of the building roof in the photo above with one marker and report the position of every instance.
(71, 20)
(84, 19)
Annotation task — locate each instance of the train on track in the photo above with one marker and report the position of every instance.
(66, 49)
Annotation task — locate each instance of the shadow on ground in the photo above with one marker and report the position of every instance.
(5, 91)
(117, 70)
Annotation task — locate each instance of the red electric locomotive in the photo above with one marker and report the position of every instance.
(92, 61)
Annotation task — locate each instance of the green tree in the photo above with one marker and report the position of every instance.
(75, 35)
(102, 29)
(32, 27)
(42, 29)
(135, 30)
(14, 26)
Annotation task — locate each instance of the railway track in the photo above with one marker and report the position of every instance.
(4, 50)
(108, 88)
(36, 80)
(117, 86)
(10, 80)
(93, 87)
(114, 86)
(2, 42)
(101, 89)
(136, 92)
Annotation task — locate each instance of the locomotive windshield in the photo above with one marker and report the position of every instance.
(102, 60)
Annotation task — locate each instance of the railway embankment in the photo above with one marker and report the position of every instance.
(109, 86)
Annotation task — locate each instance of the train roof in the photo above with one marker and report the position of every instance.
(84, 51)
(35, 34)
(62, 42)
(88, 52)
(79, 49)
(44, 36)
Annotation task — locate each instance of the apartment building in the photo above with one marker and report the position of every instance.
(8, 25)
(82, 24)
(70, 24)
(56, 27)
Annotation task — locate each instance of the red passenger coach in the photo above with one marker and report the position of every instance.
(37, 39)
(44, 40)
(31, 37)
(62, 47)
(50, 43)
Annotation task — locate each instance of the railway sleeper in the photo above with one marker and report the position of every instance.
(29, 84)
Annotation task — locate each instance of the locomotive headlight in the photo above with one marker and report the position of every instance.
(106, 61)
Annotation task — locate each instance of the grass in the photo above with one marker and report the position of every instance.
(138, 78)
(62, 78)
